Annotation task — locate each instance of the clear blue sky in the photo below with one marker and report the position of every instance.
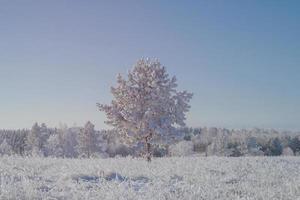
(241, 59)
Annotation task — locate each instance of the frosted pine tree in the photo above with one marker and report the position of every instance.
(33, 142)
(87, 140)
(146, 106)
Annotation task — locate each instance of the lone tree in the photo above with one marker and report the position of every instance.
(146, 107)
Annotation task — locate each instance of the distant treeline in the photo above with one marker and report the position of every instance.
(74, 142)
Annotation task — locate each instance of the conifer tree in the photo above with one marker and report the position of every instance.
(146, 107)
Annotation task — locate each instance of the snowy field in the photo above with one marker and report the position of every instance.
(166, 178)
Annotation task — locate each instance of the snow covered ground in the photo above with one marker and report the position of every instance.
(165, 178)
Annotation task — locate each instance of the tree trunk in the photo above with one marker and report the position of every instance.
(148, 148)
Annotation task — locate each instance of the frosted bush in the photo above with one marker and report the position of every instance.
(287, 152)
(183, 148)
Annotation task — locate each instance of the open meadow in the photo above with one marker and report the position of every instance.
(207, 178)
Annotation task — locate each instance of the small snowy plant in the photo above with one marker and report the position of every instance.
(147, 107)
(180, 149)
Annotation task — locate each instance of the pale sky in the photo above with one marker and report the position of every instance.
(240, 58)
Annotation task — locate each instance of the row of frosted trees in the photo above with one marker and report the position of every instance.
(241, 142)
(86, 142)
(57, 142)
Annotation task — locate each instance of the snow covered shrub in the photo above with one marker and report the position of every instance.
(252, 143)
(276, 147)
(218, 142)
(55, 146)
(287, 151)
(118, 149)
(294, 144)
(253, 147)
(200, 147)
(16, 139)
(5, 148)
(187, 137)
(200, 143)
(234, 150)
(201, 140)
(183, 148)
(213, 132)
(197, 131)
(160, 151)
(272, 148)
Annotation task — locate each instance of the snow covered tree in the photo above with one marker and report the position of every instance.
(36, 139)
(69, 141)
(33, 140)
(87, 140)
(18, 141)
(54, 146)
(146, 106)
